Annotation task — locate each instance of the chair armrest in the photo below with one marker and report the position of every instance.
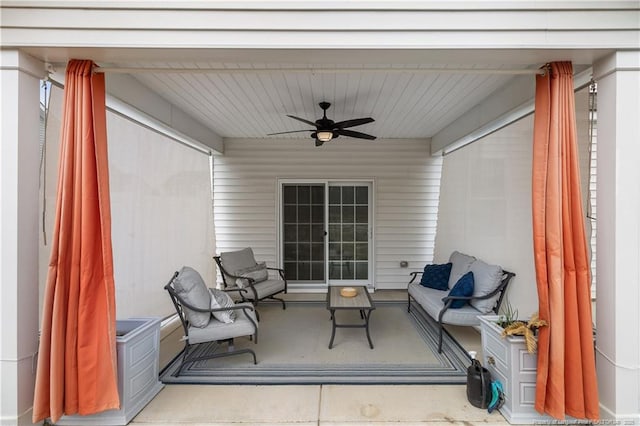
(414, 275)
(282, 277)
(229, 308)
(470, 298)
(447, 304)
(235, 277)
(236, 289)
(448, 300)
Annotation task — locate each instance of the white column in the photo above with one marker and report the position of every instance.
(19, 162)
(618, 238)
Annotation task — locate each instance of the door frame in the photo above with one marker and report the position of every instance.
(322, 287)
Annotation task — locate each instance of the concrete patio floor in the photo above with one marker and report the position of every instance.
(321, 404)
(314, 405)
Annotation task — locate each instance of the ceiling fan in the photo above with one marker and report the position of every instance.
(326, 129)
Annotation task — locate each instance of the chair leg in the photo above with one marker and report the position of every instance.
(408, 302)
(230, 352)
(284, 306)
(440, 340)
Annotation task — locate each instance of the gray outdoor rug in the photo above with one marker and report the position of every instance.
(293, 348)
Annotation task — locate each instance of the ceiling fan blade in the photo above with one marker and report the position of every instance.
(354, 134)
(354, 122)
(319, 142)
(310, 123)
(293, 131)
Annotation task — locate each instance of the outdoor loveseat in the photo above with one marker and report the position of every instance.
(458, 292)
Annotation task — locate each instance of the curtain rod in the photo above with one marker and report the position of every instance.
(167, 70)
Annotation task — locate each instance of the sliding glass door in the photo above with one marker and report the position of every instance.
(348, 233)
(326, 232)
(303, 232)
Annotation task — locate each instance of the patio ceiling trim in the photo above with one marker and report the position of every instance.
(356, 24)
(332, 5)
(316, 70)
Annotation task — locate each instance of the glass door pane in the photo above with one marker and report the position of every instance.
(303, 207)
(349, 232)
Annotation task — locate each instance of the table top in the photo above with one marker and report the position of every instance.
(362, 300)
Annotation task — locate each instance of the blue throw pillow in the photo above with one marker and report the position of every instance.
(464, 288)
(436, 276)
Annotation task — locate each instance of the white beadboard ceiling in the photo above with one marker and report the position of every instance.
(406, 100)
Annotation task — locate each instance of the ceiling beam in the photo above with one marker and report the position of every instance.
(510, 103)
(511, 97)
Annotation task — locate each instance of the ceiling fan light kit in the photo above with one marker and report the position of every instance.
(327, 130)
(324, 136)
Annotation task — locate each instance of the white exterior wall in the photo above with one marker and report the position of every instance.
(153, 180)
(485, 207)
(406, 191)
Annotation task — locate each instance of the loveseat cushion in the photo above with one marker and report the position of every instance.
(486, 279)
(436, 276)
(460, 264)
(191, 288)
(431, 301)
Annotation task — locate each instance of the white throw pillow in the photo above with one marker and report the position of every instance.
(220, 299)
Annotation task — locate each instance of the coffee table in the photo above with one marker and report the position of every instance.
(361, 302)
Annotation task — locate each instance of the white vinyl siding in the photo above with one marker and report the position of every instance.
(405, 210)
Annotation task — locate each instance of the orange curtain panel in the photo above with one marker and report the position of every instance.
(566, 381)
(77, 372)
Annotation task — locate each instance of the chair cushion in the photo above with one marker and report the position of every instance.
(234, 261)
(486, 279)
(436, 276)
(460, 266)
(217, 330)
(464, 288)
(257, 272)
(191, 288)
(265, 288)
(220, 299)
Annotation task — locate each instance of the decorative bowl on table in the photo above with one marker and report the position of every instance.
(348, 292)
